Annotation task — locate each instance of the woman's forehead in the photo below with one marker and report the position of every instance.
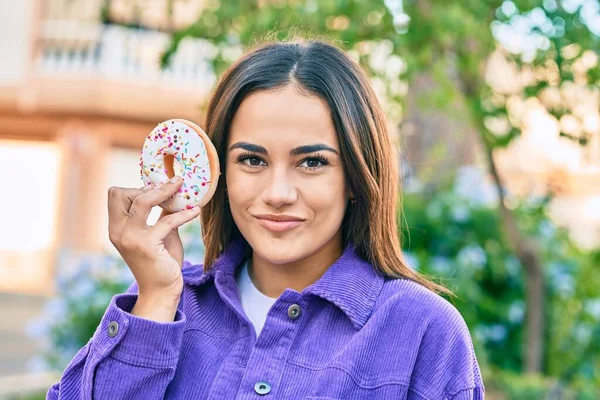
(286, 116)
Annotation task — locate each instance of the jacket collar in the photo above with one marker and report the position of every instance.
(350, 283)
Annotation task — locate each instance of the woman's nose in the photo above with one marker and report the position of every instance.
(280, 189)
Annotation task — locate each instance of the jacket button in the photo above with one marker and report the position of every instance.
(294, 311)
(262, 387)
(113, 329)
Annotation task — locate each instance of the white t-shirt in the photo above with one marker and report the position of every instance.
(256, 305)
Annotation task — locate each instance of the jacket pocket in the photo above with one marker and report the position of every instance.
(338, 384)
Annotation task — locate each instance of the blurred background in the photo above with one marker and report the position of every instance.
(494, 107)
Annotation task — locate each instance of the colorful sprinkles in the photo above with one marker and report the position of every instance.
(168, 139)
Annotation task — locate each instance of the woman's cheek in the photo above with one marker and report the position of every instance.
(241, 187)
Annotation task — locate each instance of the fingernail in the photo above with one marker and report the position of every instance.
(148, 187)
(174, 179)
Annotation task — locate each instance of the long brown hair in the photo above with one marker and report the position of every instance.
(320, 69)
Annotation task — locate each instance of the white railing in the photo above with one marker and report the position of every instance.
(81, 50)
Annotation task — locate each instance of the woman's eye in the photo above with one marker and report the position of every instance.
(251, 161)
(313, 163)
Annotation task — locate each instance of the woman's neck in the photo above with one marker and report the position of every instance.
(272, 279)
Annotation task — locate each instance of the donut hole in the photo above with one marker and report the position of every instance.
(173, 166)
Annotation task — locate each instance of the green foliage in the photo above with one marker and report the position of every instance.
(455, 234)
(448, 40)
(535, 387)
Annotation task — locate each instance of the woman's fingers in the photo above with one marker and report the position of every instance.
(129, 210)
(169, 222)
(143, 203)
(119, 204)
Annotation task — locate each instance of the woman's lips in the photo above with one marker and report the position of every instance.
(278, 226)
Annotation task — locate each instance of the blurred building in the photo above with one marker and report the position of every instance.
(78, 95)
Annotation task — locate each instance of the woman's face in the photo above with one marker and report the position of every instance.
(284, 160)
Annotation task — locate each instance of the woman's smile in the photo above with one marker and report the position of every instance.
(279, 226)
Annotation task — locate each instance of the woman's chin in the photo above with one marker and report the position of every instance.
(279, 250)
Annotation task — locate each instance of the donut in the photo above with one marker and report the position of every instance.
(178, 141)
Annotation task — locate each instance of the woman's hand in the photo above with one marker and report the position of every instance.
(154, 254)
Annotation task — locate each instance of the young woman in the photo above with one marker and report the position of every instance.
(304, 292)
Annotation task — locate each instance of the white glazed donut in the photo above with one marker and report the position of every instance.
(187, 144)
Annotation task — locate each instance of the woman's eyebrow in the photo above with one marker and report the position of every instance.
(311, 148)
(249, 147)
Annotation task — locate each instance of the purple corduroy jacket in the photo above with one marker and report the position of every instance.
(353, 334)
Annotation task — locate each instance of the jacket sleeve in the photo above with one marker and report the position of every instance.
(446, 366)
(127, 357)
